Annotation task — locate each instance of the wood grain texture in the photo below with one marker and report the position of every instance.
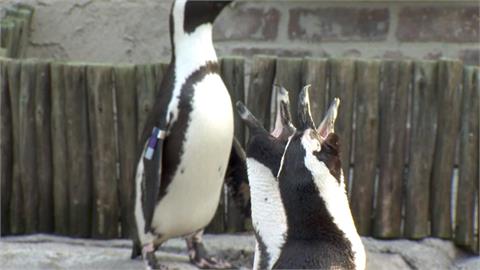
(397, 76)
(43, 146)
(6, 148)
(102, 134)
(27, 154)
(367, 90)
(450, 94)
(422, 148)
(126, 97)
(59, 150)
(79, 161)
(17, 216)
(145, 80)
(468, 166)
(260, 88)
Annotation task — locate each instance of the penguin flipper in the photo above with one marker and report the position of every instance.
(151, 183)
(236, 177)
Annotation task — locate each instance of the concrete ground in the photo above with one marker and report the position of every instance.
(37, 252)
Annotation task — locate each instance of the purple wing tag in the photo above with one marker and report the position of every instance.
(152, 143)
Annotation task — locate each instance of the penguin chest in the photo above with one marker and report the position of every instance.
(192, 196)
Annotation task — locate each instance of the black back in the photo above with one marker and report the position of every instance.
(313, 239)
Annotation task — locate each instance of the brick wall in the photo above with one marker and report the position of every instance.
(392, 29)
(137, 31)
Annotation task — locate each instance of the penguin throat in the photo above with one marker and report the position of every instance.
(194, 50)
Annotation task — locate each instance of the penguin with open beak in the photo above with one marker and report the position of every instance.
(186, 142)
(310, 225)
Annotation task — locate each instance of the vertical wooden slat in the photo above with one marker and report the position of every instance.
(6, 147)
(366, 150)
(260, 88)
(449, 93)
(159, 70)
(227, 216)
(422, 146)
(78, 151)
(145, 79)
(468, 166)
(397, 76)
(43, 146)
(59, 149)
(233, 75)
(341, 86)
(102, 133)
(27, 157)
(314, 72)
(288, 74)
(17, 216)
(8, 32)
(126, 100)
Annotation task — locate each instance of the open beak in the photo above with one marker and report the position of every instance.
(328, 123)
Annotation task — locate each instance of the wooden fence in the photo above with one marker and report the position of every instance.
(14, 30)
(69, 133)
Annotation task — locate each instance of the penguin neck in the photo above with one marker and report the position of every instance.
(190, 50)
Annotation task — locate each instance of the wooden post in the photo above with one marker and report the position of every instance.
(341, 86)
(450, 93)
(79, 162)
(59, 150)
(6, 147)
(288, 74)
(397, 76)
(27, 157)
(314, 72)
(468, 167)
(17, 216)
(126, 100)
(228, 217)
(367, 83)
(260, 88)
(422, 146)
(9, 33)
(145, 78)
(23, 17)
(159, 71)
(102, 134)
(43, 146)
(233, 75)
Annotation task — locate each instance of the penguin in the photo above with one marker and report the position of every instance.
(310, 224)
(264, 152)
(186, 142)
(321, 233)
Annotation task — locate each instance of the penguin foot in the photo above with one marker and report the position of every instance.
(200, 258)
(148, 253)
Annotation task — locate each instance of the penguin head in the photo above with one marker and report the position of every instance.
(317, 147)
(195, 13)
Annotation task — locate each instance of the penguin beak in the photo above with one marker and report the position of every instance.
(304, 115)
(328, 123)
(283, 119)
(250, 120)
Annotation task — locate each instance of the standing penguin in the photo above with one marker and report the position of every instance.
(319, 232)
(186, 141)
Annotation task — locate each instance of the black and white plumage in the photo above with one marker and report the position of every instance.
(177, 190)
(319, 231)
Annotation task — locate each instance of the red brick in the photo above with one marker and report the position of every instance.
(339, 24)
(470, 56)
(447, 24)
(276, 52)
(248, 23)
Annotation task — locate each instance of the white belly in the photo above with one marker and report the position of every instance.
(192, 196)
